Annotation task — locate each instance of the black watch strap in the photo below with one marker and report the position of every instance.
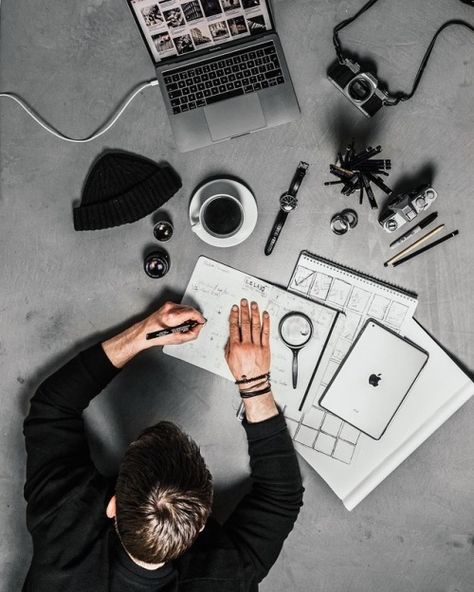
(298, 178)
(288, 203)
(275, 232)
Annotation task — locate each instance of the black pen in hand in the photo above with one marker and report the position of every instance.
(183, 328)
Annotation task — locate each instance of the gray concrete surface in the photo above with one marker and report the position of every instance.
(61, 290)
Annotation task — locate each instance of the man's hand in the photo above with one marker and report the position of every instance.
(171, 315)
(123, 347)
(247, 354)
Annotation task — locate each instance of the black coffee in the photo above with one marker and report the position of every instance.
(222, 216)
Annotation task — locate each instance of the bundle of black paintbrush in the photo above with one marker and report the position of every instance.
(357, 170)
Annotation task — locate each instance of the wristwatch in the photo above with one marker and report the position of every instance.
(288, 203)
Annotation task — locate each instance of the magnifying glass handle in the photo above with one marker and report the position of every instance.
(295, 368)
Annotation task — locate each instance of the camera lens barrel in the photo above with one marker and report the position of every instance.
(156, 264)
(360, 89)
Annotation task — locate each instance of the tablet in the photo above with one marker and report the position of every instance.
(373, 379)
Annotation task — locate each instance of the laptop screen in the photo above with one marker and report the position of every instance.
(178, 27)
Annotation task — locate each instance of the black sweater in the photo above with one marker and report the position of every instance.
(75, 547)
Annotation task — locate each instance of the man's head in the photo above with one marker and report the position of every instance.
(163, 495)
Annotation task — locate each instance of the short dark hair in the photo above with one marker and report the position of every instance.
(163, 494)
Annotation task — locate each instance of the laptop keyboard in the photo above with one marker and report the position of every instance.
(238, 73)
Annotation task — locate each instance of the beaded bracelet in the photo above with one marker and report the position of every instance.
(247, 380)
(250, 394)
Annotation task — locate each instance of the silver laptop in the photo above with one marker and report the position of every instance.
(373, 380)
(220, 65)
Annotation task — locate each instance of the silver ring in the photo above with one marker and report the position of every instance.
(351, 217)
(339, 224)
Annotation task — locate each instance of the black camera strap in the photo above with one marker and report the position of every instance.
(395, 98)
(343, 24)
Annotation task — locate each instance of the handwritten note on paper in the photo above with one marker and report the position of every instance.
(214, 288)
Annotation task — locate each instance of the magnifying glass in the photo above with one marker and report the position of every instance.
(295, 329)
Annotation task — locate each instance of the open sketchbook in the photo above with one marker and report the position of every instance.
(214, 288)
(359, 297)
(441, 389)
(351, 463)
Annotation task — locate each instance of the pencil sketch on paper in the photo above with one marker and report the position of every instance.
(359, 298)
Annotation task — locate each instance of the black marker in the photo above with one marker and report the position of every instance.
(422, 224)
(369, 192)
(183, 328)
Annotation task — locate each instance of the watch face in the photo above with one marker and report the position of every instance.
(288, 202)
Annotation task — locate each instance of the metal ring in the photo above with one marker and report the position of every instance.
(351, 217)
(339, 224)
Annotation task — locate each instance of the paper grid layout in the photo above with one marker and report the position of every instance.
(214, 288)
(359, 297)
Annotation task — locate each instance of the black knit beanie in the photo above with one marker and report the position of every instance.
(123, 188)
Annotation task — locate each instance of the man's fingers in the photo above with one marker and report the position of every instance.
(234, 331)
(178, 338)
(256, 328)
(245, 321)
(266, 330)
(186, 313)
(196, 330)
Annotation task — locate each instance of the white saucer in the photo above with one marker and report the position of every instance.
(229, 187)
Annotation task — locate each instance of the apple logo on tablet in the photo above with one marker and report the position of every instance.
(374, 379)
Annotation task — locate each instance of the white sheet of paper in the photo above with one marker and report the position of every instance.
(441, 388)
(214, 288)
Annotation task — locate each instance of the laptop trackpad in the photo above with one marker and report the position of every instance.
(236, 116)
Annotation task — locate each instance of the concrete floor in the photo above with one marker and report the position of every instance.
(61, 290)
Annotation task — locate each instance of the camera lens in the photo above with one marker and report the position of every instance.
(359, 89)
(157, 264)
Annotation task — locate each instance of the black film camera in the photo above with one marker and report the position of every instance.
(362, 88)
(405, 207)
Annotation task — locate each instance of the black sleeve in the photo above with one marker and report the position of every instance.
(58, 457)
(264, 518)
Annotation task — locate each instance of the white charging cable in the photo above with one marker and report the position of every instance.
(104, 128)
